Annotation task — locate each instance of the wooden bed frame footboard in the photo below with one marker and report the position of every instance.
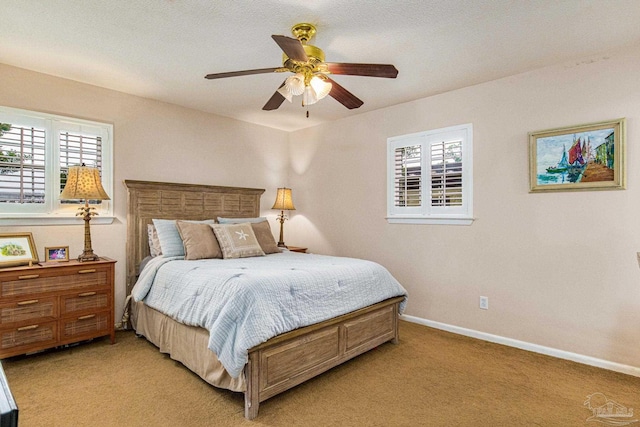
(292, 358)
(288, 359)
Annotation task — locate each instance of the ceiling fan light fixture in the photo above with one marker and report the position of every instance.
(309, 96)
(285, 92)
(295, 84)
(320, 86)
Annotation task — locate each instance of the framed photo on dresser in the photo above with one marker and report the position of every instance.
(56, 253)
(17, 249)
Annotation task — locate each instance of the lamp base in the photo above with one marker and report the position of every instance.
(88, 256)
(281, 220)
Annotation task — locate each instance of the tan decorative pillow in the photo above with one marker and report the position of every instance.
(237, 240)
(198, 240)
(262, 230)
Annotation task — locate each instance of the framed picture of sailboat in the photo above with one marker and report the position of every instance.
(585, 157)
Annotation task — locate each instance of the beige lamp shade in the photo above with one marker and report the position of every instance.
(284, 201)
(83, 182)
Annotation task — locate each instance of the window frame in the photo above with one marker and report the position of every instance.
(53, 211)
(427, 212)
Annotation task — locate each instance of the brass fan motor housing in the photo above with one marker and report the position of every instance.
(304, 32)
(315, 54)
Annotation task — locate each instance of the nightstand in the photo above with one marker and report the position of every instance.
(55, 303)
(297, 249)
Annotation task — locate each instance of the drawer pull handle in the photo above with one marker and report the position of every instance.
(28, 276)
(87, 294)
(27, 328)
(88, 316)
(31, 301)
(91, 270)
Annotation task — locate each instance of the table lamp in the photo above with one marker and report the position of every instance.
(84, 182)
(283, 202)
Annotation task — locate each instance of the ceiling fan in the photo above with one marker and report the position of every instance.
(311, 73)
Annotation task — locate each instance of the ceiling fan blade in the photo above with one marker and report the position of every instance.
(369, 70)
(275, 101)
(343, 96)
(240, 73)
(292, 47)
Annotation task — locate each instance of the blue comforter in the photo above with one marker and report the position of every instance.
(244, 302)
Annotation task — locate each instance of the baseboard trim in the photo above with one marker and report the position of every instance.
(523, 345)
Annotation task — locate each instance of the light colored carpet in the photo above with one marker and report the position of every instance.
(432, 378)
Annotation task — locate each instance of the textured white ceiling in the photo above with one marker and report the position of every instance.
(162, 49)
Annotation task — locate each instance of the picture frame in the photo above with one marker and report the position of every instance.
(56, 253)
(575, 158)
(17, 249)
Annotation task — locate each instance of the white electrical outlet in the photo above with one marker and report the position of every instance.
(484, 303)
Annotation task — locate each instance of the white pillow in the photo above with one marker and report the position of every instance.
(169, 236)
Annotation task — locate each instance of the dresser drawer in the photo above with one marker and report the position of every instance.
(45, 280)
(29, 310)
(83, 301)
(21, 339)
(87, 326)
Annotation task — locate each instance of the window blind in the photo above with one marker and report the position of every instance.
(22, 161)
(76, 149)
(430, 177)
(36, 151)
(408, 176)
(22, 165)
(446, 173)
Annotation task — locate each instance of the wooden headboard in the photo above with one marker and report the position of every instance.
(162, 200)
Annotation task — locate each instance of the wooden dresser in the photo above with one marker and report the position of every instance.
(55, 303)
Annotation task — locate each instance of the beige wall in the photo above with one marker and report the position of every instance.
(560, 270)
(153, 141)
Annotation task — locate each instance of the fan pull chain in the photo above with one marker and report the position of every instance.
(307, 113)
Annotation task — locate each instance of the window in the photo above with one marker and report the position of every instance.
(429, 177)
(36, 151)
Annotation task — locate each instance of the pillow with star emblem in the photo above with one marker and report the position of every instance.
(261, 229)
(237, 240)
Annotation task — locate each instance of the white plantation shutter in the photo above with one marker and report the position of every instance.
(430, 177)
(22, 165)
(446, 173)
(35, 155)
(77, 149)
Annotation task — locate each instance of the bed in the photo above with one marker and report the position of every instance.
(272, 366)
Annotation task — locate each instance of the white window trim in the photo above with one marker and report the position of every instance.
(426, 214)
(52, 212)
